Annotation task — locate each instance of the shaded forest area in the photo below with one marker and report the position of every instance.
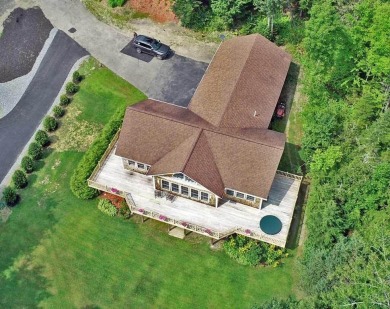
(344, 50)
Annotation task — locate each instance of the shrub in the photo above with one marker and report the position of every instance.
(58, 111)
(71, 88)
(19, 178)
(248, 251)
(27, 164)
(10, 196)
(106, 207)
(124, 210)
(64, 100)
(42, 138)
(115, 3)
(50, 123)
(35, 151)
(78, 181)
(76, 77)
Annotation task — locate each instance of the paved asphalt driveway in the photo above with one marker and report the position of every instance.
(19, 125)
(172, 80)
(177, 80)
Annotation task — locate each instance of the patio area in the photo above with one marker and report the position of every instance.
(217, 223)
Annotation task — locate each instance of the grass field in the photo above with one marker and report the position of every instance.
(61, 252)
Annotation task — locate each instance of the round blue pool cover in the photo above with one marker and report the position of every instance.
(270, 225)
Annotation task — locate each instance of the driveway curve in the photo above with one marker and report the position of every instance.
(17, 127)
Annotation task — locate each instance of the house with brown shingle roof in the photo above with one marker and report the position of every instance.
(219, 150)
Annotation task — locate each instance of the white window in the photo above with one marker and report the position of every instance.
(204, 196)
(165, 184)
(250, 198)
(131, 162)
(240, 195)
(141, 166)
(178, 175)
(229, 192)
(189, 179)
(175, 187)
(184, 190)
(194, 193)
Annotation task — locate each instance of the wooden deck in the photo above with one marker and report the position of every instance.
(217, 223)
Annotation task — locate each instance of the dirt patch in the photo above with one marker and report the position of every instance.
(75, 134)
(117, 201)
(5, 212)
(185, 42)
(24, 34)
(158, 10)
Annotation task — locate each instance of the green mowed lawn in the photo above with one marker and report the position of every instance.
(61, 252)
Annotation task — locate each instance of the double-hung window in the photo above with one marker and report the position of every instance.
(141, 166)
(165, 184)
(204, 196)
(184, 190)
(175, 187)
(240, 195)
(194, 193)
(250, 198)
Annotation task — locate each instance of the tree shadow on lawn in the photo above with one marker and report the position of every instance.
(287, 96)
(26, 278)
(291, 160)
(22, 284)
(297, 220)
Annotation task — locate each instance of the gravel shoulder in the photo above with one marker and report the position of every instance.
(23, 37)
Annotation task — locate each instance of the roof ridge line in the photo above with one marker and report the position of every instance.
(193, 148)
(189, 104)
(246, 139)
(164, 117)
(235, 85)
(206, 129)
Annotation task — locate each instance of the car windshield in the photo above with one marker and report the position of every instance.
(156, 44)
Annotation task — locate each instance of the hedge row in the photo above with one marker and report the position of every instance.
(79, 179)
(35, 149)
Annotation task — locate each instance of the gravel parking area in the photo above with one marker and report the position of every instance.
(24, 34)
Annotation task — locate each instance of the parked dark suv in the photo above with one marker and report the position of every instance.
(147, 45)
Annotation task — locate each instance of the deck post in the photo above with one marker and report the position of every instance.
(261, 203)
(213, 241)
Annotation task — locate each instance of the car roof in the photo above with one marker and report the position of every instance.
(144, 38)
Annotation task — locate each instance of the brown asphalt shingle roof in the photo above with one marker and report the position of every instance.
(246, 76)
(216, 158)
(218, 141)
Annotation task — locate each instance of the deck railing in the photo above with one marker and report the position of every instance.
(289, 175)
(98, 186)
(198, 228)
(104, 157)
